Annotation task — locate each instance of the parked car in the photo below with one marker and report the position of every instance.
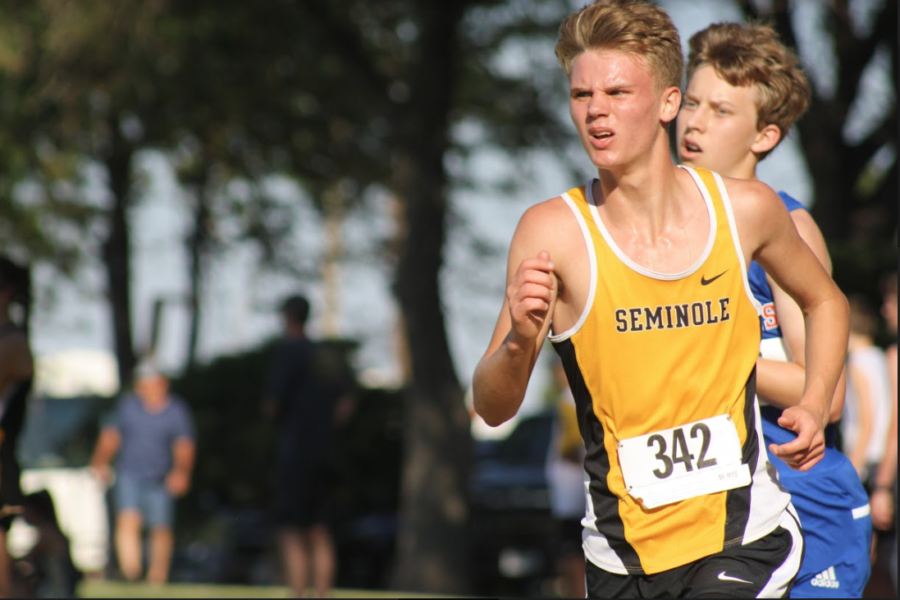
(511, 525)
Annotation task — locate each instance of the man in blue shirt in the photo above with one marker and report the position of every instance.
(151, 434)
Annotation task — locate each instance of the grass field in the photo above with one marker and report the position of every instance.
(118, 589)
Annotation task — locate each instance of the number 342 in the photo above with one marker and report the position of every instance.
(679, 450)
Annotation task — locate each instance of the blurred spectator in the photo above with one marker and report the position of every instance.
(305, 404)
(884, 492)
(867, 409)
(47, 570)
(152, 433)
(16, 373)
(566, 479)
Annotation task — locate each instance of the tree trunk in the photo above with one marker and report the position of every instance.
(117, 252)
(835, 166)
(833, 178)
(197, 245)
(432, 542)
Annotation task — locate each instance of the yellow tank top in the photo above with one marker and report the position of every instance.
(653, 352)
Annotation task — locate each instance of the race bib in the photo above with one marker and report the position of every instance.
(690, 460)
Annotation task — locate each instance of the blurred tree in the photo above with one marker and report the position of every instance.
(347, 105)
(94, 84)
(237, 92)
(223, 126)
(392, 85)
(42, 215)
(854, 173)
(77, 87)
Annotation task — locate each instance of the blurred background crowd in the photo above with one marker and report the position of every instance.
(170, 172)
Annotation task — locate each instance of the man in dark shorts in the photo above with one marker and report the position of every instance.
(304, 404)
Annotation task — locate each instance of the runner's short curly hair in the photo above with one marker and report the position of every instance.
(751, 54)
(635, 27)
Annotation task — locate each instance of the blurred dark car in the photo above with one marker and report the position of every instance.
(511, 525)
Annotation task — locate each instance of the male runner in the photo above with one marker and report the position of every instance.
(642, 274)
(744, 91)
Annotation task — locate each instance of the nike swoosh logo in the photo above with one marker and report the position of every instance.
(705, 281)
(725, 577)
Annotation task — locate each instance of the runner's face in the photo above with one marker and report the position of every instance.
(717, 125)
(152, 389)
(615, 106)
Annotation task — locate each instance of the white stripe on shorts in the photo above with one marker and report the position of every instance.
(781, 577)
(861, 511)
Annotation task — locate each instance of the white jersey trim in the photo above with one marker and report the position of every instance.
(861, 511)
(768, 497)
(726, 200)
(775, 349)
(777, 586)
(711, 211)
(592, 257)
(595, 545)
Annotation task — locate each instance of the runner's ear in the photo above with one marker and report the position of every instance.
(766, 139)
(670, 104)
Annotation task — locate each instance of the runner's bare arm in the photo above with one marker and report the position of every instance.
(781, 383)
(773, 240)
(501, 376)
(107, 445)
(862, 392)
(882, 498)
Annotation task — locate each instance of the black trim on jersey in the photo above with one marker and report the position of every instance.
(737, 503)
(596, 462)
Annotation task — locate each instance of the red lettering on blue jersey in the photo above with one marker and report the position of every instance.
(770, 320)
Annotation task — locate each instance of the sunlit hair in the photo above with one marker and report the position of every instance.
(750, 54)
(635, 27)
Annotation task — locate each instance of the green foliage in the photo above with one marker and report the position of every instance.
(41, 215)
